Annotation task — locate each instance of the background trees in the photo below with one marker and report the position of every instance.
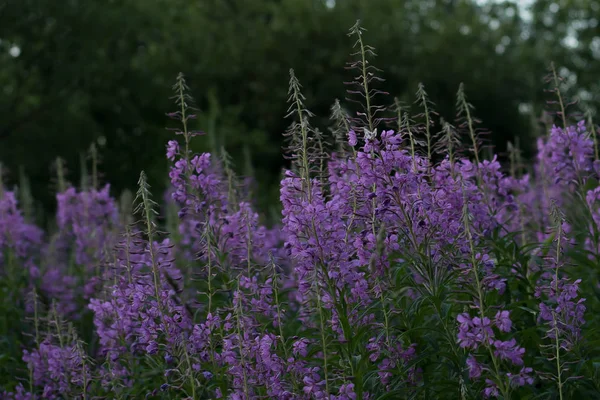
(79, 72)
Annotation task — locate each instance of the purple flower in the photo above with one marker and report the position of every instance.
(491, 389)
(352, 140)
(473, 332)
(19, 394)
(475, 368)
(502, 321)
(172, 149)
(299, 347)
(508, 350)
(522, 378)
(346, 392)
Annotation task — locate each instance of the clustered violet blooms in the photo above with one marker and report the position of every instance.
(86, 219)
(58, 369)
(88, 224)
(324, 305)
(19, 240)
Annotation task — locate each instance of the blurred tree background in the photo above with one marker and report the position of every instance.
(77, 72)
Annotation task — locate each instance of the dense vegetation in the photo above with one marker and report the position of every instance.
(405, 264)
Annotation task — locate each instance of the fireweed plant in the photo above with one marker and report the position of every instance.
(405, 265)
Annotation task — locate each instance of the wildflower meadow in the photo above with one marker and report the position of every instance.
(408, 261)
